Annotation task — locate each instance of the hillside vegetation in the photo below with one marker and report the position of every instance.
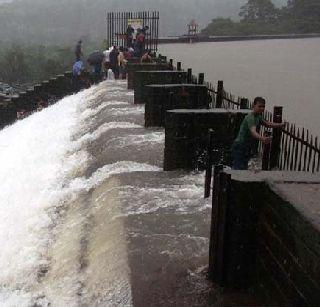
(263, 17)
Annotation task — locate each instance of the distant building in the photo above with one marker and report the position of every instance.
(193, 30)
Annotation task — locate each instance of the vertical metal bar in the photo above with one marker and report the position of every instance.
(301, 150)
(157, 31)
(178, 66)
(189, 75)
(214, 234)
(318, 150)
(201, 78)
(293, 148)
(220, 94)
(314, 155)
(243, 103)
(208, 175)
(266, 154)
(276, 138)
(296, 150)
(309, 153)
(305, 151)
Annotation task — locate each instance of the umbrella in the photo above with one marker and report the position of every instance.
(95, 57)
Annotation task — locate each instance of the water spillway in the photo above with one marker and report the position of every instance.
(88, 217)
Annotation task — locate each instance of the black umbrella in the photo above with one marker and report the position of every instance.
(95, 57)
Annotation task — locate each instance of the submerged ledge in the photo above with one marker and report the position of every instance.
(203, 39)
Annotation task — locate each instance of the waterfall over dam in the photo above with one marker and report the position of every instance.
(88, 217)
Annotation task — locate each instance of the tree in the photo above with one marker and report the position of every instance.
(258, 11)
(14, 65)
(309, 9)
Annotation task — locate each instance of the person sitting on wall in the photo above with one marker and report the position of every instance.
(146, 57)
(241, 148)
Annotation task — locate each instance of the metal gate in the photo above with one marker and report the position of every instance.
(118, 22)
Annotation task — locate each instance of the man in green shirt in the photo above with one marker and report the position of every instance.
(241, 148)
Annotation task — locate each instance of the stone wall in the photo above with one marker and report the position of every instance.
(266, 230)
(49, 91)
(186, 136)
(133, 67)
(163, 97)
(143, 78)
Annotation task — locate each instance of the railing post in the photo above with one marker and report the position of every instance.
(171, 63)
(178, 66)
(276, 138)
(244, 103)
(189, 75)
(208, 175)
(219, 94)
(218, 215)
(266, 153)
(201, 78)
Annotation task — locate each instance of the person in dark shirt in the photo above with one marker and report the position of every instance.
(78, 50)
(113, 57)
(241, 148)
(130, 32)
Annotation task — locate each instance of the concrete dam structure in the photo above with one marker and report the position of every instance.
(88, 216)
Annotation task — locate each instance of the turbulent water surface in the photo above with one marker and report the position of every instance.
(286, 72)
(88, 217)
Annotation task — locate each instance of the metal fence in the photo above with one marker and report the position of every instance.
(297, 149)
(117, 24)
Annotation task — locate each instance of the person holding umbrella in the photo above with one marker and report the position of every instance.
(95, 59)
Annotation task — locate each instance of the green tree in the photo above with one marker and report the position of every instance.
(258, 10)
(14, 65)
(221, 26)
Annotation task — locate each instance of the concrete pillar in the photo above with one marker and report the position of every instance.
(143, 78)
(186, 133)
(183, 96)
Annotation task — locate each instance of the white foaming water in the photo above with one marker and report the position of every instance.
(106, 127)
(38, 157)
(121, 111)
(41, 158)
(107, 171)
(32, 173)
(137, 139)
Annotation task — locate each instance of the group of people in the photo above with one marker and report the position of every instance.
(111, 63)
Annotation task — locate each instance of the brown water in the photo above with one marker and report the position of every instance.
(285, 72)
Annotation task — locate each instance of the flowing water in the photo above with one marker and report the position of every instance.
(88, 217)
(286, 72)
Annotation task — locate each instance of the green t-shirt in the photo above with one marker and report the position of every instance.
(244, 136)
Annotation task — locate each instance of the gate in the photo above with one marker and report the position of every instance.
(117, 24)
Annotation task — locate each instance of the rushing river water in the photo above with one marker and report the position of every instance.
(88, 217)
(286, 72)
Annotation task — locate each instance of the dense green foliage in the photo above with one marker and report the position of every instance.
(262, 17)
(30, 64)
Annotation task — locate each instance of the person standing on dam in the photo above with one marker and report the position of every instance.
(241, 148)
(78, 50)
